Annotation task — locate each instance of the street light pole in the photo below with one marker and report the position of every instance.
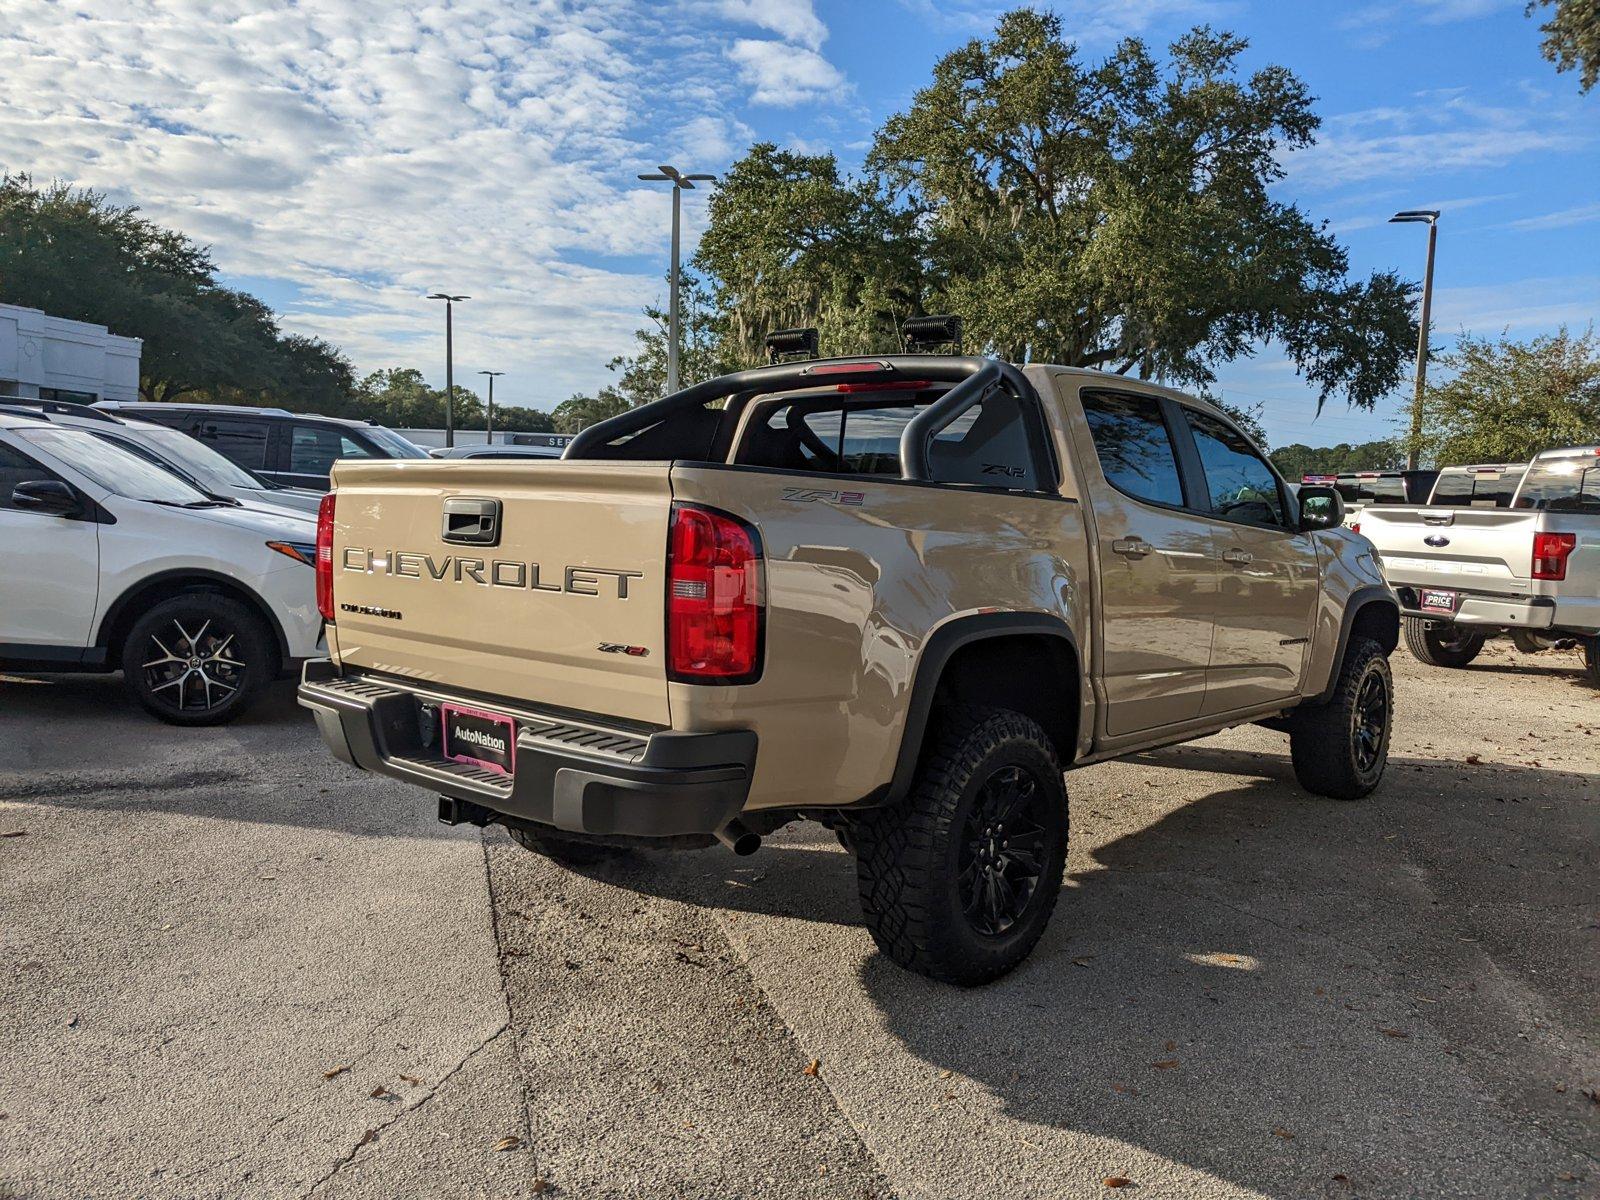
(450, 303)
(1431, 217)
(489, 425)
(679, 181)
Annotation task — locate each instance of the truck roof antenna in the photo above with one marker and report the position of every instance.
(791, 343)
(923, 333)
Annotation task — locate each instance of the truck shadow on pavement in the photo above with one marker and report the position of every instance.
(1306, 997)
(1302, 997)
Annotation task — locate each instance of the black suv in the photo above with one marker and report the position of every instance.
(297, 449)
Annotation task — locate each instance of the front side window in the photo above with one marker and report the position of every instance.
(1239, 484)
(1135, 449)
(17, 468)
(313, 449)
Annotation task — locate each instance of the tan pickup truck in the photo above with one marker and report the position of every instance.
(894, 595)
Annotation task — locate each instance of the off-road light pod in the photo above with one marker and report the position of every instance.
(937, 330)
(716, 598)
(781, 342)
(1550, 552)
(325, 557)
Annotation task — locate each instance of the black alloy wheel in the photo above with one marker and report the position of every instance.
(193, 667)
(1002, 850)
(1371, 719)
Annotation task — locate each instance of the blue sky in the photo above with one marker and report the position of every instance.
(343, 157)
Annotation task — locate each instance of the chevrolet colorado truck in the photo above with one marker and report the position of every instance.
(1531, 569)
(895, 595)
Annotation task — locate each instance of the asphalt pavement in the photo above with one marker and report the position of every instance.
(1246, 991)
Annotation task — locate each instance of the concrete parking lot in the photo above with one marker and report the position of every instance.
(234, 968)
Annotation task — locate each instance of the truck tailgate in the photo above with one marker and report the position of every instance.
(1468, 549)
(548, 590)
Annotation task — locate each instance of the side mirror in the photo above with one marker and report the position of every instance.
(1320, 508)
(49, 496)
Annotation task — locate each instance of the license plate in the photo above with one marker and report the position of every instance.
(480, 738)
(1440, 602)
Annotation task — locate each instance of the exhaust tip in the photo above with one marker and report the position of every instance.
(738, 838)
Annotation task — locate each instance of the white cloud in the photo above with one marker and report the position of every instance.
(1096, 23)
(1581, 215)
(793, 20)
(361, 153)
(783, 75)
(1441, 133)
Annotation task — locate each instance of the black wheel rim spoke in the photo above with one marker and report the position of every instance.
(1003, 850)
(1370, 721)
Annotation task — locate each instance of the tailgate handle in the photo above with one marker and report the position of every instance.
(1439, 519)
(471, 521)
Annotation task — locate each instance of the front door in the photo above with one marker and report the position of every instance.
(51, 582)
(1158, 568)
(1267, 594)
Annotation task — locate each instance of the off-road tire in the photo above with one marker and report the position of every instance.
(908, 854)
(569, 851)
(211, 618)
(1591, 660)
(1325, 741)
(1441, 644)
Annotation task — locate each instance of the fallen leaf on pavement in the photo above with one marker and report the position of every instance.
(1166, 1064)
(15, 833)
(370, 1135)
(1394, 1033)
(1280, 1131)
(1172, 1046)
(1116, 1181)
(334, 1072)
(541, 1186)
(380, 1093)
(411, 1079)
(1474, 759)
(508, 1143)
(813, 1068)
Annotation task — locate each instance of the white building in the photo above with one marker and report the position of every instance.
(52, 358)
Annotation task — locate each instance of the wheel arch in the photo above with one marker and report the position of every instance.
(1028, 662)
(1370, 612)
(132, 604)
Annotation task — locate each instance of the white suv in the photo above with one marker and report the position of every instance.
(117, 564)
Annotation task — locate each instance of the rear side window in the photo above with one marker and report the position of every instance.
(245, 442)
(1562, 485)
(313, 449)
(1135, 450)
(1239, 484)
(17, 468)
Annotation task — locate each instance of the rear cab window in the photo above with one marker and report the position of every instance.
(987, 446)
(1569, 485)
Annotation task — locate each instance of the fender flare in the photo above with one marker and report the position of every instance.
(940, 647)
(1361, 598)
(196, 575)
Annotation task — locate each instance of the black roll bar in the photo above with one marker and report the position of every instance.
(974, 378)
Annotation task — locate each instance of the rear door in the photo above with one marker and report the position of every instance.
(1157, 566)
(1268, 580)
(544, 587)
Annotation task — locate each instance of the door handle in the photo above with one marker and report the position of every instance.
(1242, 558)
(1133, 547)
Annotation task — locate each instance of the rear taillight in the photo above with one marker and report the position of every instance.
(325, 557)
(1550, 551)
(715, 605)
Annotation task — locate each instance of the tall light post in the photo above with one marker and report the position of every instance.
(1430, 216)
(489, 425)
(450, 303)
(680, 181)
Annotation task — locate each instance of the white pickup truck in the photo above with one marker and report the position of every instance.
(1532, 569)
